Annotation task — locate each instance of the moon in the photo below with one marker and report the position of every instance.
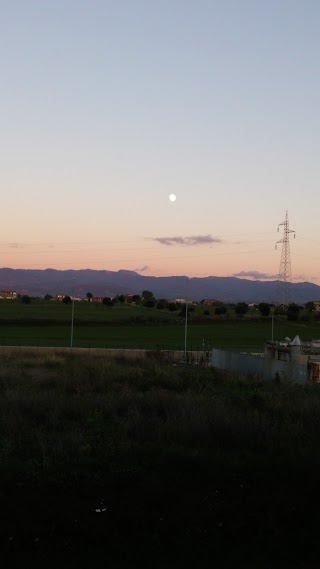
(172, 197)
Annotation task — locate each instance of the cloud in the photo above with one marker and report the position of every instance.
(192, 240)
(300, 277)
(256, 275)
(15, 245)
(141, 269)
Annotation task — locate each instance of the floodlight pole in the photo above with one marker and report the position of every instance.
(186, 326)
(72, 319)
(272, 323)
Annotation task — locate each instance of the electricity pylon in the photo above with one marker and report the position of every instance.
(285, 277)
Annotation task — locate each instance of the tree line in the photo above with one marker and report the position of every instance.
(147, 299)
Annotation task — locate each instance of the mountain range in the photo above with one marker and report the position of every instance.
(110, 283)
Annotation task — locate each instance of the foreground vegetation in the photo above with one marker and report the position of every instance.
(145, 463)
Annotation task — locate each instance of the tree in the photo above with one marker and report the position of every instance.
(280, 310)
(149, 303)
(147, 295)
(136, 298)
(89, 296)
(48, 296)
(184, 309)
(241, 308)
(309, 306)
(264, 308)
(220, 309)
(67, 299)
(25, 299)
(107, 301)
(148, 298)
(293, 311)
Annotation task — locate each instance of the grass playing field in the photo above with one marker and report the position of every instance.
(127, 326)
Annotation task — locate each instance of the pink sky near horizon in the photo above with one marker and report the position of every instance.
(245, 256)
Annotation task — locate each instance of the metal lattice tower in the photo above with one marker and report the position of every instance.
(285, 277)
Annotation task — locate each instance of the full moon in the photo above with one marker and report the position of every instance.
(172, 197)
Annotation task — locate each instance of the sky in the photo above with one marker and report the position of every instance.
(109, 106)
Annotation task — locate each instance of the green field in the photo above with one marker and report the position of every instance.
(55, 310)
(125, 326)
(239, 336)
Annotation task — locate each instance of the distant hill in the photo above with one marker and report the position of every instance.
(110, 283)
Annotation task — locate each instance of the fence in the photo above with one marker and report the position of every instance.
(192, 357)
(266, 368)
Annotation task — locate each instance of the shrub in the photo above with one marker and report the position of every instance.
(221, 309)
(107, 301)
(149, 303)
(241, 308)
(264, 308)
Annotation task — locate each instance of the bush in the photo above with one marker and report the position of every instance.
(293, 312)
(183, 310)
(107, 301)
(264, 308)
(241, 308)
(149, 303)
(221, 309)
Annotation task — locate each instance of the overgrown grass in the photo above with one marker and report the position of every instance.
(71, 418)
(136, 459)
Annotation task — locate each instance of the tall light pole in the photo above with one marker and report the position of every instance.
(186, 325)
(72, 317)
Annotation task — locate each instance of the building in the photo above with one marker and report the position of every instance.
(211, 302)
(8, 295)
(291, 360)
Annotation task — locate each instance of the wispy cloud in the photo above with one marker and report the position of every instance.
(141, 269)
(191, 240)
(300, 277)
(256, 275)
(15, 245)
